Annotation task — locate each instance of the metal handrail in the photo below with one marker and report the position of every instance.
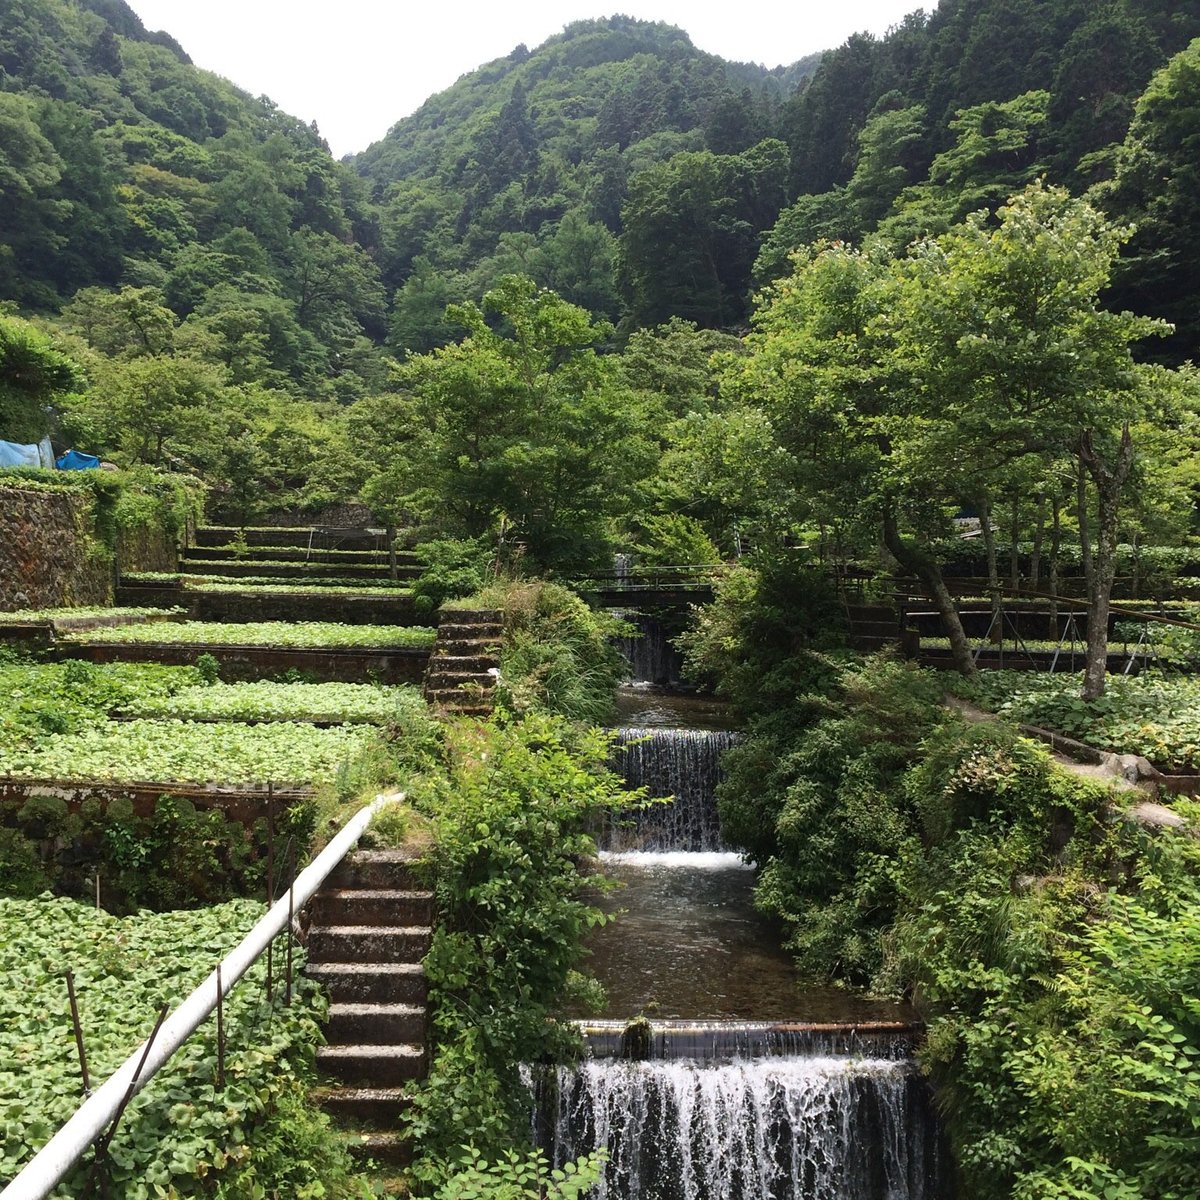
(667, 573)
(48, 1167)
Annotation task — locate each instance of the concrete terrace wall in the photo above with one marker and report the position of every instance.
(49, 554)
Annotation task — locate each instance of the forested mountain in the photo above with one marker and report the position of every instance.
(123, 164)
(640, 177)
(526, 163)
(244, 306)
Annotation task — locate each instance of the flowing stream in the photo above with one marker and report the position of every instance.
(713, 1074)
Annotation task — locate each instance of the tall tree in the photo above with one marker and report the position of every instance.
(33, 373)
(521, 426)
(1157, 187)
(1004, 331)
(691, 233)
(842, 403)
(905, 387)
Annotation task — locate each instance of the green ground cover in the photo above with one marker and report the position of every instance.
(46, 699)
(1116, 645)
(277, 587)
(1155, 715)
(292, 563)
(323, 635)
(227, 752)
(263, 701)
(269, 583)
(27, 615)
(182, 1130)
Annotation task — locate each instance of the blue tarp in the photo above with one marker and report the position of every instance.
(76, 460)
(16, 454)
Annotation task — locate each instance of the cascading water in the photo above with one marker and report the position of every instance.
(819, 1127)
(743, 1086)
(684, 763)
(652, 658)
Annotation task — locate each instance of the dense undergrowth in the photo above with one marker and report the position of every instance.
(510, 817)
(1051, 944)
(511, 802)
(1154, 715)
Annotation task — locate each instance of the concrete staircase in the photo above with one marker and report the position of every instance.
(370, 928)
(463, 668)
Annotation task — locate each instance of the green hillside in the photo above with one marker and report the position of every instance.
(123, 164)
(242, 306)
(525, 164)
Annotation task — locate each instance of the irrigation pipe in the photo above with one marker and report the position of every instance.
(48, 1167)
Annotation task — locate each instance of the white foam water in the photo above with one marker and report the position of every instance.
(803, 1128)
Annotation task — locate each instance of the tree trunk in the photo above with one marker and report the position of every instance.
(1039, 534)
(927, 569)
(1109, 484)
(1081, 506)
(1014, 552)
(390, 534)
(1055, 549)
(993, 566)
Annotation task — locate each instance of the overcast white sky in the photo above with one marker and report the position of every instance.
(357, 66)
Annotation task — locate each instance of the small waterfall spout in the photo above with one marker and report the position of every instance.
(684, 763)
(817, 1127)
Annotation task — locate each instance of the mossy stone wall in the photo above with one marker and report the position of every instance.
(50, 556)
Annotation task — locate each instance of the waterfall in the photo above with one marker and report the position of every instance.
(652, 658)
(684, 763)
(823, 1126)
(747, 1086)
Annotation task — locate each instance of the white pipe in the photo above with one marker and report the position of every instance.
(47, 1168)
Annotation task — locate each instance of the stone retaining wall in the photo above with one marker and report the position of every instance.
(49, 556)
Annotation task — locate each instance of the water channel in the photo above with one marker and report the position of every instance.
(713, 1073)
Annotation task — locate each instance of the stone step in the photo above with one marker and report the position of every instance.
(368, 943)
(385, 1147)
(371, 983)
(296, 571)
(871, 612)
(376, 1024)
(454, 633)
(474, 616)
(373, 1066)
(301, 554)
(469, 710)
(325, 537)
(875, 629)
(372, 906)
(860, 641)
(374, 869)
(469, 648)
(378, 1108)
(478, 663)
(439, 679)
(450, 696)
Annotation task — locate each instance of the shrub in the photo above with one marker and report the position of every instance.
(510, 852)
(557, 655)
(453, 569)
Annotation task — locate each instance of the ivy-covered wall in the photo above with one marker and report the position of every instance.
(62, 532)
